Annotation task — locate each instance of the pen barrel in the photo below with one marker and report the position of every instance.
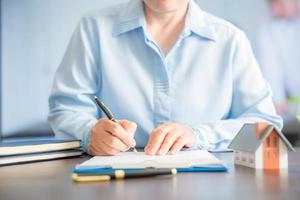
(105, 109)
(123, 174)
(120, 174)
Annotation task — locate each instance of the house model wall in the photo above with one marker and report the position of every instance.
(261, 146)
(256, 160)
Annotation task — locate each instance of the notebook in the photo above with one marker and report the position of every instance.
(37, 144)
(20, 159)
(199, 160)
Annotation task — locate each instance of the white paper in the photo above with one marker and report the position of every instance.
(184, 159)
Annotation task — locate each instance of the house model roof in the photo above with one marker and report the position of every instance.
(247, 140)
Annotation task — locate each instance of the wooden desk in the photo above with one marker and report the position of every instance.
(52, 180)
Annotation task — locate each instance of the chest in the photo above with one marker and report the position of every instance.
(193, 77)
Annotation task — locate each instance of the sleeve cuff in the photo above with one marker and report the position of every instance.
(201, 139)
(87, 136)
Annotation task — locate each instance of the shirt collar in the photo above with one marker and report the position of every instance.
(133, 17)
(198, 23)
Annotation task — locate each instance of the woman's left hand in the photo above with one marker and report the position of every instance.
(169, 138)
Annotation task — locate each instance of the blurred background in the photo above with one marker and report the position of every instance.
(35, 34)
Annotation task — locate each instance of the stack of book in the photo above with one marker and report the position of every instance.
(19, 150)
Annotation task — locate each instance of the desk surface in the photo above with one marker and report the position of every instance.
(52, 180)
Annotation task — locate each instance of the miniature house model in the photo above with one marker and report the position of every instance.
(261, 146)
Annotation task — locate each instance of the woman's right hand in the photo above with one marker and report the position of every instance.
(109, 138)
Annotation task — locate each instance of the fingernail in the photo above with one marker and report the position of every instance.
(132, 144)
(133, 124)
(160, 152)
(152, 152)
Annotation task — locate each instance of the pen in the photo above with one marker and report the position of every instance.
(121, 174)
(107, 112)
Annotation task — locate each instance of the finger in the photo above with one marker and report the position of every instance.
(98, 134)
(95, 149)
(115, 143)
(109, 151)
(168, 142)
(117, 130)
(94, 144)
(177, 146)
(128, 126)
(156, 139)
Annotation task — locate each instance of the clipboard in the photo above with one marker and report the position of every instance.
(185, 161)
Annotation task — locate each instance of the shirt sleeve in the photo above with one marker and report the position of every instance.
(251, 100)
(72, 110)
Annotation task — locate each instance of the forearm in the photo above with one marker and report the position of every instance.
(76, 124)
(72, 109)
(217, 135)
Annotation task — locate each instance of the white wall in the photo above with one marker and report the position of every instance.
(35, 34)
(243, 13)
(34, 37)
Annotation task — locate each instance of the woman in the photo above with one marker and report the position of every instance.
(179, 76)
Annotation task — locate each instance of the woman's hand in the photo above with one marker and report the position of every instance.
(109, 138)
(169, 138)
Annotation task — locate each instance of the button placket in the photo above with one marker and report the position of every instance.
(162, 107)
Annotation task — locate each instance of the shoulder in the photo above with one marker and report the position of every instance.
(223, 30)
(103, 16)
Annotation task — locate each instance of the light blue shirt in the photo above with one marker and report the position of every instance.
(209, 81)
